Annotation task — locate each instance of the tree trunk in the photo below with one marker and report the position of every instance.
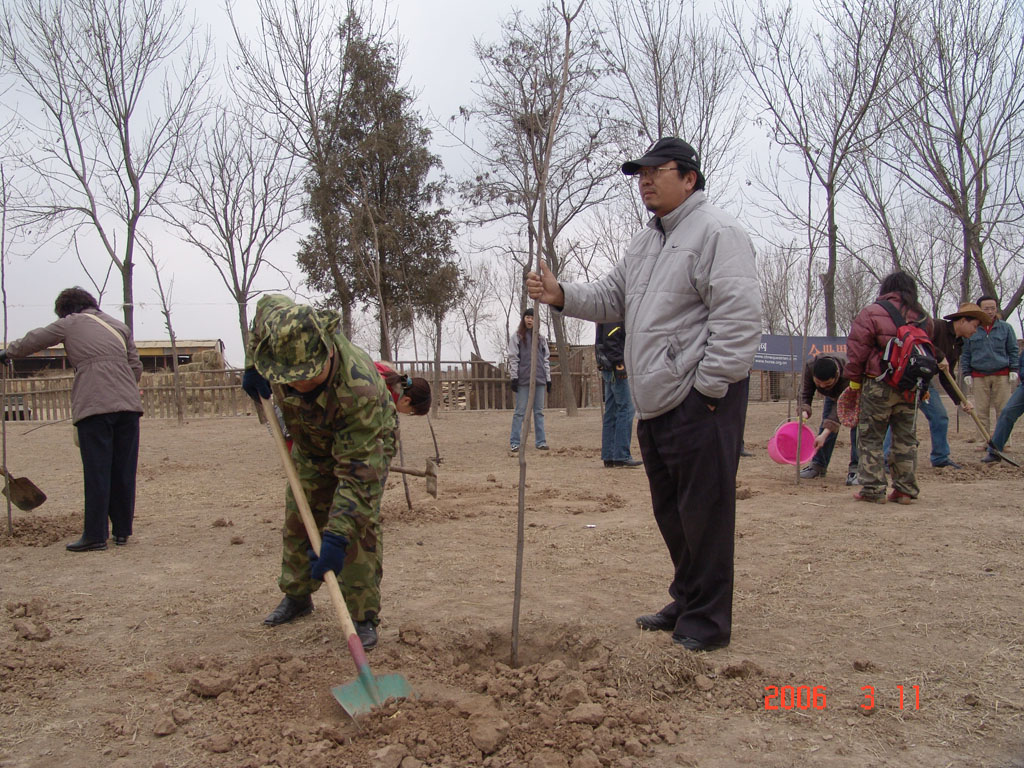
(562, 346)
(828, 279)
(436, 398)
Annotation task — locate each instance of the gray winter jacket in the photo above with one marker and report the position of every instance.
(688, 291)
(107, 371)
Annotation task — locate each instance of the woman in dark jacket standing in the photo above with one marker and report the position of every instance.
(105, 408)
(882, 406)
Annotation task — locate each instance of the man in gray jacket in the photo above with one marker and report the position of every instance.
(687, 289)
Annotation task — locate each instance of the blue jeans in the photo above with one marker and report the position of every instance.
(617, 427)
(522, 395)
(823, 455)
(1008, 417)
(938, 426)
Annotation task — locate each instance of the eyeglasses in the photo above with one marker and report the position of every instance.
(652, 173)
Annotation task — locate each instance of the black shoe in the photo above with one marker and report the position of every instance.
(367, 634)
(947, 463)
(120, 541)
(654, 622)
(632, 463)
(812, 471)
(84, 545)
(693, 644)
(610, 464)
(745, 454)
(990, 458)
(289, 609)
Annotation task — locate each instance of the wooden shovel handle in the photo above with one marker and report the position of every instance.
(330, 579)
(960, 394)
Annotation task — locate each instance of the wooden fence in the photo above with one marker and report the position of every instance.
(466, 385)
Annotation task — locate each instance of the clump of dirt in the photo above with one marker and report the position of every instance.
(574, 702)
(40, 531)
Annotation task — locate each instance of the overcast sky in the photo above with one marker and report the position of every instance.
(439, 66)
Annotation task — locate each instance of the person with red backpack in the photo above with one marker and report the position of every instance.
(891, 363)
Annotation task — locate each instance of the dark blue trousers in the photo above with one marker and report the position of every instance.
(109, 444)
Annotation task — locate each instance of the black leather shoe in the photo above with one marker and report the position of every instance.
(120, 540)
(289, 609)
(745, 454)
(367, 634)
(947, 463)
(84, 545)
(693, 644)
(654, 622)
(632, 463)
(610, 464)
(990, 458)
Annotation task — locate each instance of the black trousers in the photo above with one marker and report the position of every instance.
(691, 455)
(109, 444)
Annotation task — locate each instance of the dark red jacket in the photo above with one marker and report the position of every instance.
(872, 329)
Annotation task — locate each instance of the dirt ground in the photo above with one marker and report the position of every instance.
(154, 655)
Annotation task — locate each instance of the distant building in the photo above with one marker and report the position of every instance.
(155, 356)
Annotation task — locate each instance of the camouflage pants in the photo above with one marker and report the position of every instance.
(350, 506)
(882, 407)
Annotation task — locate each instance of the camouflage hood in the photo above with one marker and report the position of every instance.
(294, 344)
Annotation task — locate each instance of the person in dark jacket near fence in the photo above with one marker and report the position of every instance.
(617, 425)
(824, 374)
(105, 408)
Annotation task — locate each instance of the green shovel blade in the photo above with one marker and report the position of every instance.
(357, 698)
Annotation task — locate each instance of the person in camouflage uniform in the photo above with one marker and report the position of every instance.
(342, 420)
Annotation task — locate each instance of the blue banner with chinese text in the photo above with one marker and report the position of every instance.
(783, 353)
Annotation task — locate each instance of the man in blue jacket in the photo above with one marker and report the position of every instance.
(988, 358)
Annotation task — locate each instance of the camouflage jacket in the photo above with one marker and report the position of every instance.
(351, 417)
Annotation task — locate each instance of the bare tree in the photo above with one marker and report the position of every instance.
(237, 196)
(817, 88)
(474, 307)
(114, 91)
(165, 309)
(959, 139)
(294, 73)
(674, 73)
(547, 134)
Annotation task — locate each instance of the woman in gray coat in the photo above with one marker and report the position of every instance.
(105, 408)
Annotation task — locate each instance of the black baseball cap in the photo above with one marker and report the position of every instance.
(664, 150)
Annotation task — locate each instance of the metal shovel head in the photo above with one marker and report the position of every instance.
(23, 493)
(357, 697)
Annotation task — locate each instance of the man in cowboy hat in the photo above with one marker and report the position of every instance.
(948, 336)
(342, 420)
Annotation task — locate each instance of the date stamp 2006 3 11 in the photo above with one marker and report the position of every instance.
(778, 697)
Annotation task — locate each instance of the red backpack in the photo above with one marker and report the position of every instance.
(908, 360)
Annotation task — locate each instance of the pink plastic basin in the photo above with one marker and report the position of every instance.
(782, 446)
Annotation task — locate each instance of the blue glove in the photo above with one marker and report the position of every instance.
(332, 556)
(514, 383)
(548, 385)
(3, 356)
(255, 386)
